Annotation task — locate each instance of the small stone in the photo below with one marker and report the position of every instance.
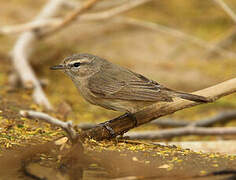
(134, 158)
(61, 141)
(164, 166)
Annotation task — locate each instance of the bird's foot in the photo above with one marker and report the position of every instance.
(111, 131)
(106, 126)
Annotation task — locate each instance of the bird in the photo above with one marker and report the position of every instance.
(113, 87)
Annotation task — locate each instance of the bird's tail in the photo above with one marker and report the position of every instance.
(192, 97)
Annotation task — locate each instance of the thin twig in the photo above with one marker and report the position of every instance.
(219, 118)
(223, 42)
(229, 35)
(67, 126)
(178, 34)
(50, 23)
(30, 26)
(71, 17)
(113, 11)
(227, 9)
(189, 130)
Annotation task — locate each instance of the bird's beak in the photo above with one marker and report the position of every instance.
(58, 67)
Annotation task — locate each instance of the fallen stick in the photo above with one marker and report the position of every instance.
(189, 130)
(66, 126)
(219, 118)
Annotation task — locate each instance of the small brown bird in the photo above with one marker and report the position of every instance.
(105, 84)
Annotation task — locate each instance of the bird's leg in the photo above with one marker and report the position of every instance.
(110, 129)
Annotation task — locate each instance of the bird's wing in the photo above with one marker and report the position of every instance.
(126, 86)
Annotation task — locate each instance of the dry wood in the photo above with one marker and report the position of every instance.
(178, 34)
(23, 49)
(223, 42)
(189, 130)
(30, 26)
(66, 126)
(219, 118)
(113, 11)
(227, 9)
(231, 34)
(52, 22)
(71, 17)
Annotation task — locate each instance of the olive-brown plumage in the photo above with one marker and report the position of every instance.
(111, 86)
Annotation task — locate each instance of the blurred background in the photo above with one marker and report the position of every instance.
(185, 45)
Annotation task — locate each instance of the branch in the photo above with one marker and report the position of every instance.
(219, 118)
(31, 26)
(121, 124)
(50, 23)
(101, 5)
(227, 9)
(229, 36)
(67, 126)
(23, 49)
(114, 11)
(223, 42)
(178, 34)
(189, 130)
(71, 17)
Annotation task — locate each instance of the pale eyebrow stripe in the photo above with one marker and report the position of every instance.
(79, 61)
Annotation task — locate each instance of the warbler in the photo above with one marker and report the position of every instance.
(113, 87)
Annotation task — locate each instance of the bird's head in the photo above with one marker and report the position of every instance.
(79, 65)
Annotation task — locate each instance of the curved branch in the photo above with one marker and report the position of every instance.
(121, 125)
(23, 49)
(66, 126)
(71, 17)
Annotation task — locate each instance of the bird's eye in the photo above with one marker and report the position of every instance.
(76, 64)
